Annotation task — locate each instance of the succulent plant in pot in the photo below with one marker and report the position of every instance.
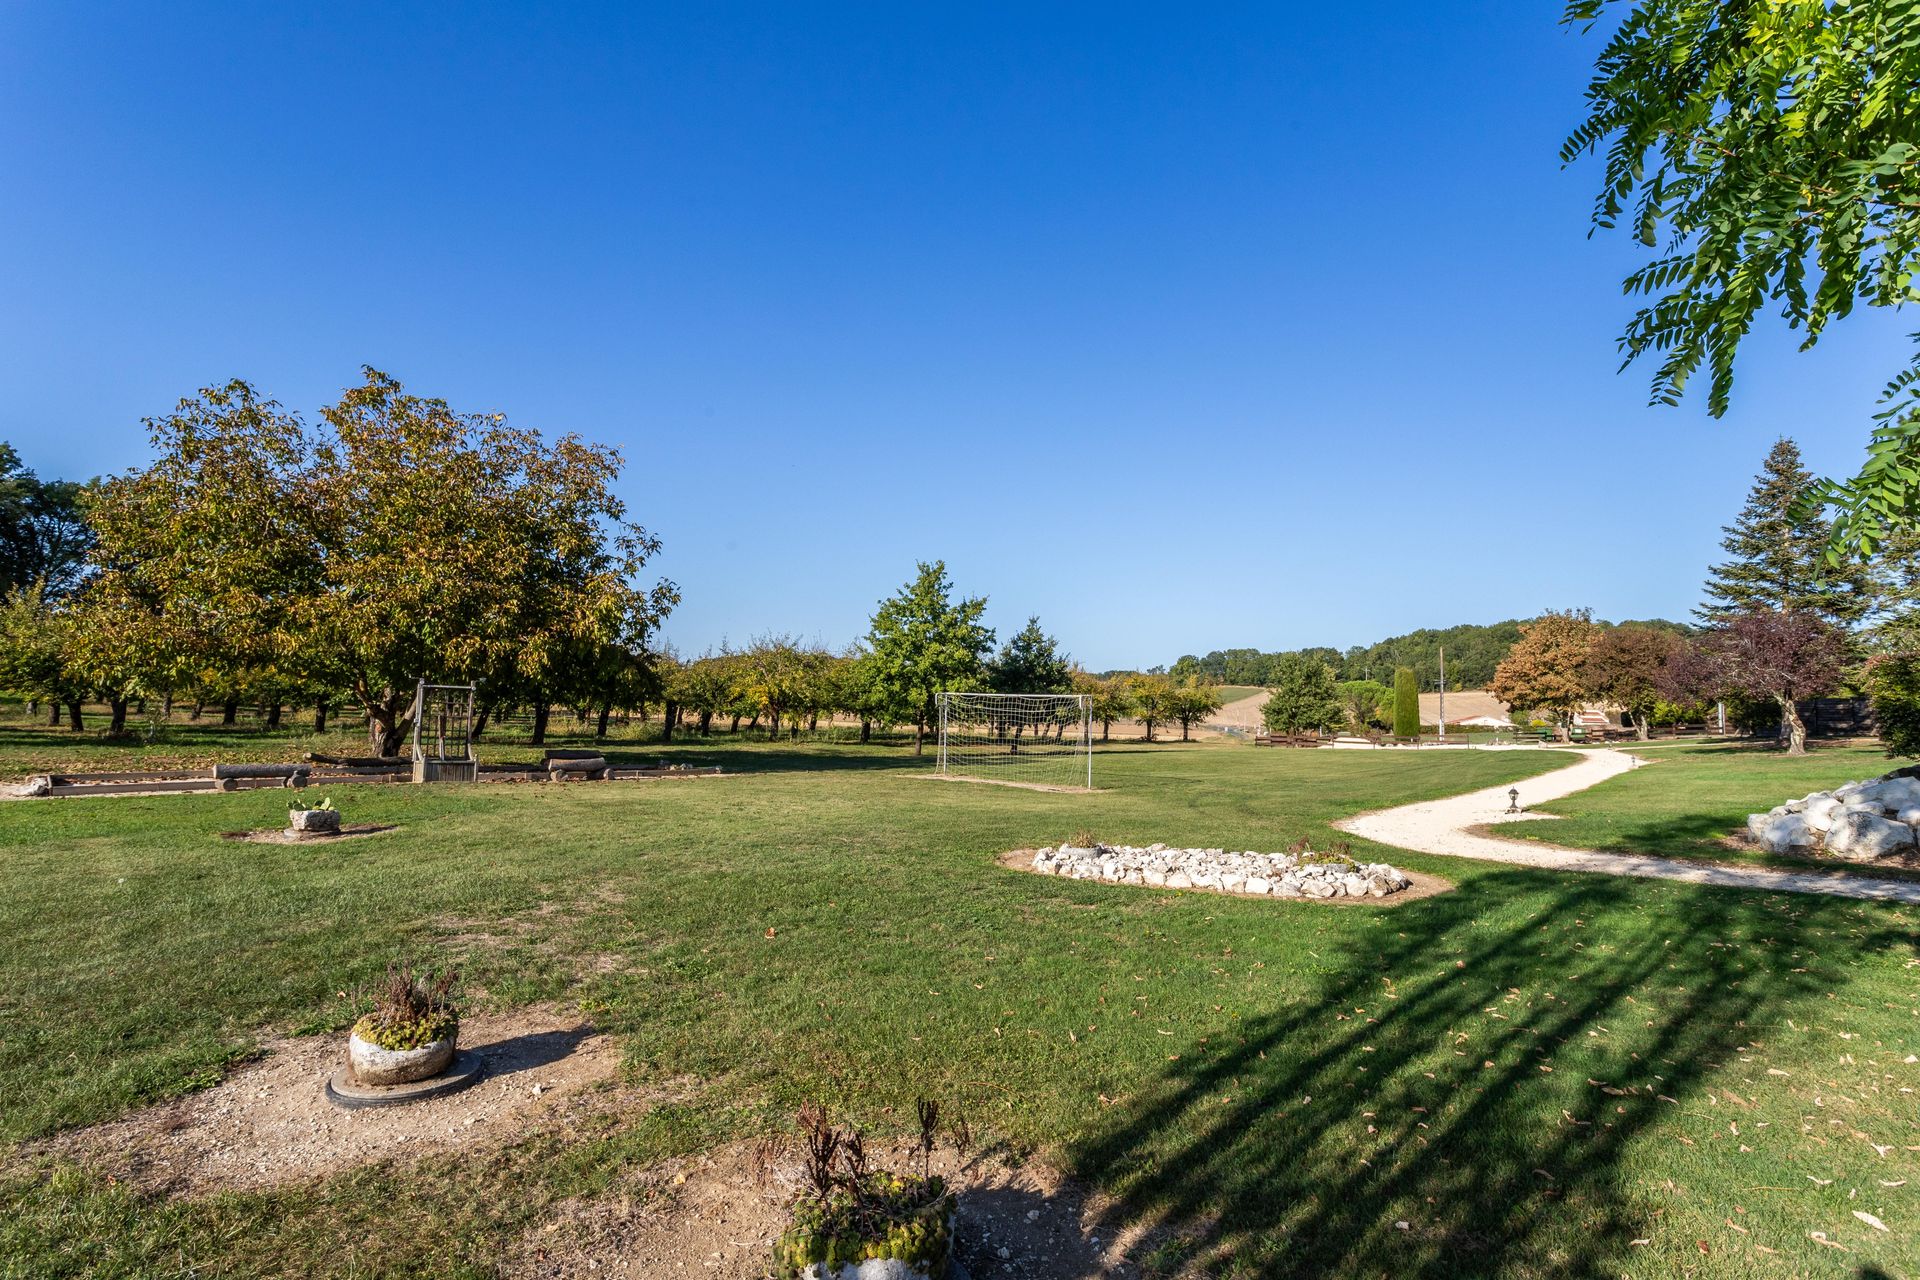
(411, 1032)
(322, 819)
(854, 1222)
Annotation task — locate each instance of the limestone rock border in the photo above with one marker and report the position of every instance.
(1304, 876)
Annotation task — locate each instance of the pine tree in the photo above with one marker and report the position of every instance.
(1778, 555)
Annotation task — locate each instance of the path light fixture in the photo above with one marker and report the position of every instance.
(1513, 800)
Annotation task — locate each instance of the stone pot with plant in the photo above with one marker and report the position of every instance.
(321, 820)
(411, 1032)
(854, 1222)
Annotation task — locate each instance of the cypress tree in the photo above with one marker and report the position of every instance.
(1778, 556)
(1406, 703)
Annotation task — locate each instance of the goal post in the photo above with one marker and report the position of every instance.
(1035, 739)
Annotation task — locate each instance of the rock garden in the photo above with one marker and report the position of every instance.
(1860, 821)
(1298, 873)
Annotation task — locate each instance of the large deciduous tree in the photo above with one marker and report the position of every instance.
(1152, 697)
(923, 641)
(44, 535)
(1777, 552)
(403, 540)
(1546, 668)
(1303, 696)
(1783, 657)
(1192, 702)
(1626, 665)
(1768, 157)
(1109, 698)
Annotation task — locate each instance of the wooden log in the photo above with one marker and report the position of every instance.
(222, 772)
(594, 766)
(359, 762)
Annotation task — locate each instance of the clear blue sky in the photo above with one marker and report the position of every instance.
(1182, 327)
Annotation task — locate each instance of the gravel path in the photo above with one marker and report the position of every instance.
(1444, 827)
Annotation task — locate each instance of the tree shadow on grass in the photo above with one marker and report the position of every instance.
(1705, 838)
(1460, 1102)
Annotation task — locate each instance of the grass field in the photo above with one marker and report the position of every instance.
(1694, 795)
(1232, 693)
(1538, 1075)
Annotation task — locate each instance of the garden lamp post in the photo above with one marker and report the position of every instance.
(1513, 800)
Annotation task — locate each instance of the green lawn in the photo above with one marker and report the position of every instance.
(1692, 796)
(1540, 1075)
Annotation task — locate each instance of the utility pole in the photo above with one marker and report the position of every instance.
(1443, 693)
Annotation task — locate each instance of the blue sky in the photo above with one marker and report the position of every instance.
(1182, 328)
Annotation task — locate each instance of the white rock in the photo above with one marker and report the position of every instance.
(1779, 833)
(1179, 880)
(1867, 835)
(1820, 812)
(1894, 793)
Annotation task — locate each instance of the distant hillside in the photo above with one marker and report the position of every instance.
(1473, 651)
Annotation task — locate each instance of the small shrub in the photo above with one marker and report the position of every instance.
(851, 1213)
(1083, 839)
(1895, 685)
(410, 1009)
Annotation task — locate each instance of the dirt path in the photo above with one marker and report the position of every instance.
(1446, 827)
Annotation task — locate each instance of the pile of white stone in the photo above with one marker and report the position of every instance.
(1283, 875)
(1861, 821)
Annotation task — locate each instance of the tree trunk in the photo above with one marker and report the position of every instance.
(198, 707)
(384, 725)
(919, 736)
(813, 722)
(73, 717)
(481, 715)
(320, 718)
(866, 730)
(229, 711)
(119, 722)
(1106, 729)
(706, 722)
(606, 714)
(273, 716)
(540, 713)
(1183, 731)
(53, 713)
(735, 727)
(1796, 728)
(1641, 729)
(166, 706)
(669, 717)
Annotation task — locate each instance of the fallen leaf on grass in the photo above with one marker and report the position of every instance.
(1870, 1220)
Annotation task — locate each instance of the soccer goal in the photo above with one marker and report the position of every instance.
(1035, 739)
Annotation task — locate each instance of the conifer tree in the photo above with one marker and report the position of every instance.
(1406, 703)
(1778, 555)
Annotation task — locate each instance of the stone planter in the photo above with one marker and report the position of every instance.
(373, 1065)
(314, 822)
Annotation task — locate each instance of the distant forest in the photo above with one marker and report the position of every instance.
(1472, 654)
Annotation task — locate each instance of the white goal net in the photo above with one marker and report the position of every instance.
(1038, 739)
